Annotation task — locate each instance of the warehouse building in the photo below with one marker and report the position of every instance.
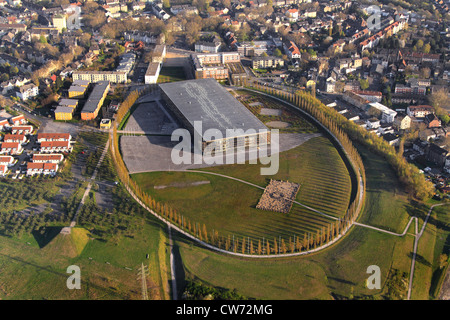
(206, 101)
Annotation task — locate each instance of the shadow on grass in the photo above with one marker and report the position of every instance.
(85, 284)
(44, 236)
(420, 210)
(420, 259)
(342, 281)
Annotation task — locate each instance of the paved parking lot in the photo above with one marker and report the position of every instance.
(151, 118)
(60, 127)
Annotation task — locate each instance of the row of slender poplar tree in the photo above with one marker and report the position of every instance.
(240, 243)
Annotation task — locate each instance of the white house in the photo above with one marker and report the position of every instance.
(11, 148)
(7, 161)
(41, 168)
(388, 115)
(27, 91)
(3, 169)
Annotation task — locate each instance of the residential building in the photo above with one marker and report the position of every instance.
(11, 148)
(208, 46)
(34, 168)
(387, 114)
(55, 146)
(437, 154)
(95, 101)
(45, 137)
(3, 169)
(21, 129)
(4, 124)
(419, 111)
(402, 122)
(47, 158)
(292, 51)
(266, 62)
(372, 96)
(20, 138)
(18, 120)
(27, 91)
(432, 121)
(97, 76)
(7, 161)
(392, 139)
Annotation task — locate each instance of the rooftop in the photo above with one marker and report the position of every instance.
(94, 98)
(207, 101)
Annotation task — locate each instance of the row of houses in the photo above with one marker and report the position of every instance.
(46, 164)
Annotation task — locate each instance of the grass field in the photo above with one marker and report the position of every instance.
(171, 74)
(338, 272)
(385, 194)
(228, 206)
(108, 271)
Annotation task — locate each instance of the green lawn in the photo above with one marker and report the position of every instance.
(171, 74)
(338, 272)
(316, 165)
(386, 204)
(228, 206)
(31, 272)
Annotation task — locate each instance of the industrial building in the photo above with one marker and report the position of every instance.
(207, 101)
(92, 106)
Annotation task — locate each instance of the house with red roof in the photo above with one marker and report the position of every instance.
(55, 146)
(18, 120)
(292, 15)
(3, 169)
(53, 137)
(47, 158)
(21, 129)
(4, 124)
(7, 161)
(21, 138)
(34, 168)
(11, 148)
(292, 51)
